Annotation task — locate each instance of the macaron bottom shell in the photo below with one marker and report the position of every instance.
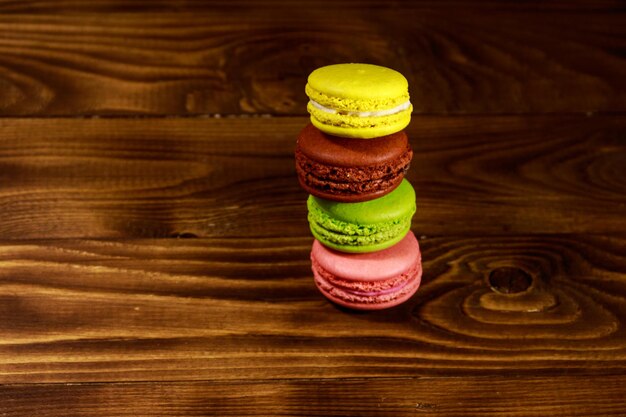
(387, 236)
(349, 192)
(359, 127)
(371, 303)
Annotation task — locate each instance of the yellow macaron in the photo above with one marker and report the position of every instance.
(358, 100)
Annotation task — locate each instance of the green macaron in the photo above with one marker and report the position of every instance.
(368, 226)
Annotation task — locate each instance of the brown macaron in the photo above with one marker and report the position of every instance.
(351, 170)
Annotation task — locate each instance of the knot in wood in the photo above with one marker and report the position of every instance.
(509, 280)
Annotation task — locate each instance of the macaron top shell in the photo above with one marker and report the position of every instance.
(374, 266)
(351, 152)
(399, 203)
(357, 87)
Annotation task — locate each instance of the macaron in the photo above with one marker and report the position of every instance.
(366, 226)
(348, 169)
(368, 281)
(358, 100)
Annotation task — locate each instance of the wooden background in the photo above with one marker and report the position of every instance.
(153, 238)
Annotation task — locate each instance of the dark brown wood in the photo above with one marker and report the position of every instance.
(125, 178)
(167, 6)
(194, 309)
(187, 58)
(450, 397)
(160, 266)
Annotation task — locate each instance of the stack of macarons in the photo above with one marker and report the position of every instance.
(351, 159)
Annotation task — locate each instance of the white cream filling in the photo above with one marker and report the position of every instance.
(387, 112)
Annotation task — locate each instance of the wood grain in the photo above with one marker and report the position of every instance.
(189, 58)
(450, 397)
(125, 178)
(226, 309)
(159, 266)
(167, 6)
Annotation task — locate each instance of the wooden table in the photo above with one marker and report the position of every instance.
(153, 237)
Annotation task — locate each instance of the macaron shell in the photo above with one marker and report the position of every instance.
(355, 104)
(389, 186)
(380, 305)
(359, 127)
(396, 205)
(347, 152)
(360, 247)
(384, 87)
(375, 266)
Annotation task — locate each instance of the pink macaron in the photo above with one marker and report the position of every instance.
(368, 281)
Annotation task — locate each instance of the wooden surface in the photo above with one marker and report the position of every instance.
(72, 57)
(129, 178)
(241, 308)
(474, 396)
(153, 238)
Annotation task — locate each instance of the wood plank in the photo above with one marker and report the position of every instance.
(225, 309)
(126, 178)
(191, 58)
(168, 6)
(451, 397)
